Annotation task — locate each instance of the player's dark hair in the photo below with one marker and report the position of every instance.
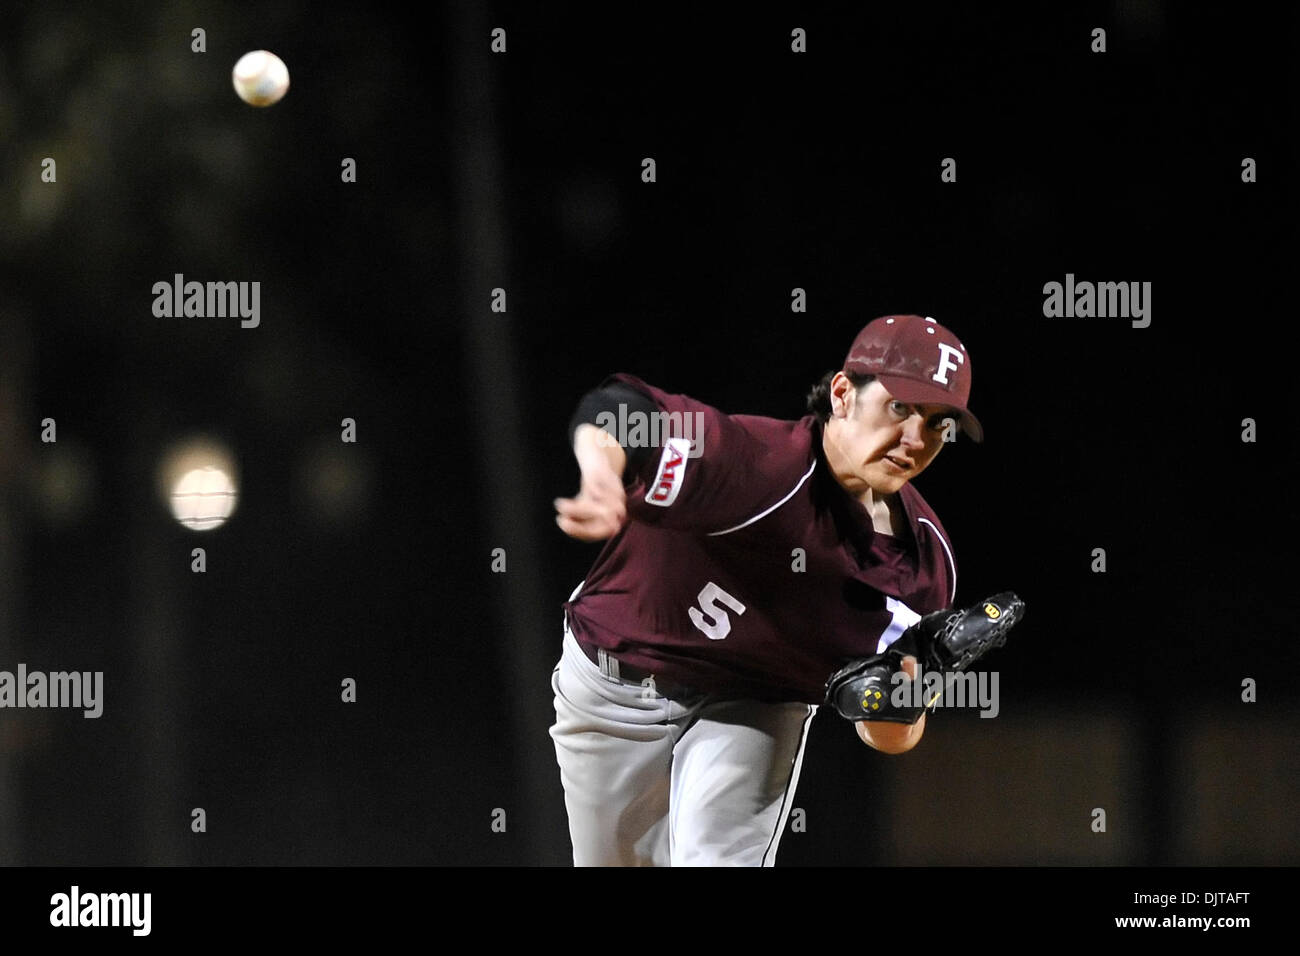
(819, 397)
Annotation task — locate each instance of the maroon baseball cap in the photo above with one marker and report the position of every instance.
(918, 361)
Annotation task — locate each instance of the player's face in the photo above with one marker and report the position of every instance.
(876, 442)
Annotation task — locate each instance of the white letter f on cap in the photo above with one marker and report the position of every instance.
(946, 363)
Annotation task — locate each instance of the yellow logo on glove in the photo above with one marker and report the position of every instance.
(993, 611)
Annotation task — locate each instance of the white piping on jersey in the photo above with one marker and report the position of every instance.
(761, 514)
(948, 551)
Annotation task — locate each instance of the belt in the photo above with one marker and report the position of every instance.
(611, 666)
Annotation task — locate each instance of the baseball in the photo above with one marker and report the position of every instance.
(260, 78)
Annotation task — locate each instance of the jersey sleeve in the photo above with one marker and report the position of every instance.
(708, 471)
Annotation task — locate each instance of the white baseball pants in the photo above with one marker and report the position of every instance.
(650, 781)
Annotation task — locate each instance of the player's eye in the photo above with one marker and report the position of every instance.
(898, 408)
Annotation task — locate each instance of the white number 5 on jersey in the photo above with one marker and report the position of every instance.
(721, 625)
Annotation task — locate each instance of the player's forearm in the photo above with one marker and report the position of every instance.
(889, 737)
(593, 442)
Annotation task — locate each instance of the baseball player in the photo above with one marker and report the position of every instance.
(748, 560)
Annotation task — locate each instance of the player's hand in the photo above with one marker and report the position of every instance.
(894, 738)
(908, 666)
(600, 507)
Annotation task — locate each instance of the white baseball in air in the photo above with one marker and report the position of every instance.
(260, 78)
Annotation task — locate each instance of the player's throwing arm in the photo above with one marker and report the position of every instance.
(600, 507)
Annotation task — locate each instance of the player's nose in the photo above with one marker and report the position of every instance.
(913, 432)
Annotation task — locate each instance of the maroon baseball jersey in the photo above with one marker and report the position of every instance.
(745, 568)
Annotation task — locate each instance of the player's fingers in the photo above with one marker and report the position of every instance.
(614, 510)
(583, 508)
(611, 501)
(586, 530)
(577, 530)
(909, 667)
(605, 487)
(603, 501)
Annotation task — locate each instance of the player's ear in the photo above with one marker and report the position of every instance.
(842, 395)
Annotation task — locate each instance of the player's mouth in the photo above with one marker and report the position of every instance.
(901, 464)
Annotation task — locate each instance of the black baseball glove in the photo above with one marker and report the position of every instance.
(945, 641)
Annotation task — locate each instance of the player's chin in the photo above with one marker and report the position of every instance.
(886, 484)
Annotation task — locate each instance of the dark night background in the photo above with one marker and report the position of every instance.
(522, 171)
